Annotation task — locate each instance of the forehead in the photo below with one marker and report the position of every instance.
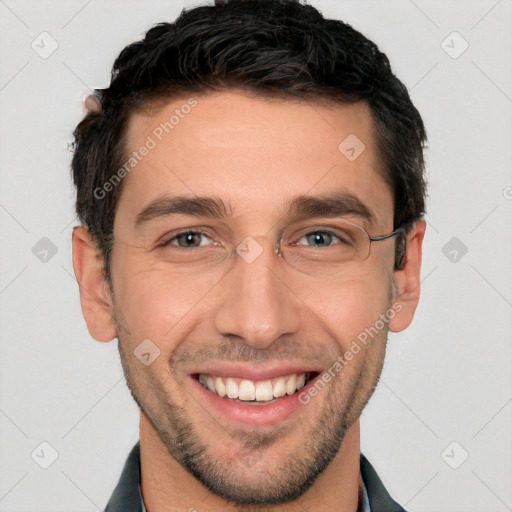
(258, 155)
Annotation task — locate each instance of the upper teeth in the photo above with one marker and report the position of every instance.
(261, 391)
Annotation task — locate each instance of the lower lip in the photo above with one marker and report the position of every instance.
(263, 415)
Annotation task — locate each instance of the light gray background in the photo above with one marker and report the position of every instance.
(446, 379)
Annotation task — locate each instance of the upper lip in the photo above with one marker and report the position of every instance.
(243, 371)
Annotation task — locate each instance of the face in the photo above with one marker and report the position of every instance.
(233, 328)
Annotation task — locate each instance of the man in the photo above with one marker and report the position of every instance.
(251, 193)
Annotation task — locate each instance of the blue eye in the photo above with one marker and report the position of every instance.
(323, 238)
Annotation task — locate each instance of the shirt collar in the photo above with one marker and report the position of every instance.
(366, 501)
(127, 496)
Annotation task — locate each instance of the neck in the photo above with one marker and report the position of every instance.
(166, 486)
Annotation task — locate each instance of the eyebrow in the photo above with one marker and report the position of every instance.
(302, 207)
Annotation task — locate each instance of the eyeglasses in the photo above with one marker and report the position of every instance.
(347, 243)
(326, 250)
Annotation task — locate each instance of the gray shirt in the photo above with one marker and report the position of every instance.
(127, 496)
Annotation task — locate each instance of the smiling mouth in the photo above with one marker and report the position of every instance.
(255, 392)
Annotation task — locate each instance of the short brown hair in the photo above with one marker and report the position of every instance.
(270, 48)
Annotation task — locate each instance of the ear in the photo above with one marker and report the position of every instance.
(95, 296)
(407, 280)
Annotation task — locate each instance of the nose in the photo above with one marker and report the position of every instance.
(257, 306)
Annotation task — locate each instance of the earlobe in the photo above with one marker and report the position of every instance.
(95, 296)
(407, 280)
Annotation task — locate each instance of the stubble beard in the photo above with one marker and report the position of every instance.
(248, 485)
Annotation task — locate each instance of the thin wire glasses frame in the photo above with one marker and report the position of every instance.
(363, 243)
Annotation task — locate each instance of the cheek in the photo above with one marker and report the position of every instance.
(349, 307)
(154, 302)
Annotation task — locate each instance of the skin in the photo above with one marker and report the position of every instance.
(254, 154)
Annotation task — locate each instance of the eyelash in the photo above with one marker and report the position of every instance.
(167, 242)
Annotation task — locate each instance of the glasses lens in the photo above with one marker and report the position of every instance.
(323, 250)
